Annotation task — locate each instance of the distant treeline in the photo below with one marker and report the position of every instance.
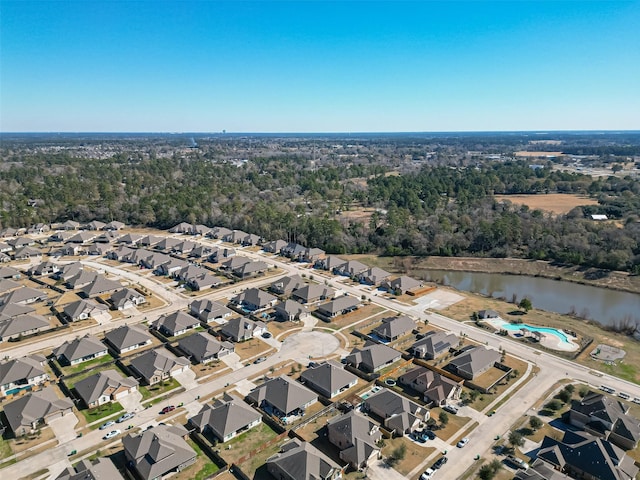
(442, 210)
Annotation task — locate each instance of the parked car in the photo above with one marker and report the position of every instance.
(429, 434)
(168, 409)
(260, 359)
(516, 462)
(111, 434)
(440, 462)
(417, 436)
(451, 409)
(107, 424)
(428, 474)
(266, 335)
(462, 442)
(125, 417)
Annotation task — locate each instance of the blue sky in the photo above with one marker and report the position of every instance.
(208, 66)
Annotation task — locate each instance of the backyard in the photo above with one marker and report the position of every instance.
(101, 412)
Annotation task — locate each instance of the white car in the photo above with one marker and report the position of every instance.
(428, 474)
(111, 434)
(107, 425)
(462, 442)
(125, 417)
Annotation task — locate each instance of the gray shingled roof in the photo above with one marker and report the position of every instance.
(359, 434)
(23, 295)
(92, 387)
(126, 336)
(175, 322)
(372, 356)
(301, 461)
(208, 309)
(10, 326)
(282, 393)
(202, 346)
(327, 378)
(475, 360)
(224, 418)
(121, 297)
(74, 309)
(157, 362)
(434, 343)
(99, 469)
(158, 450)
(100, 285)
(20, 368)
(393, 327)
(240, 328)
(29, 409)
(80, 348)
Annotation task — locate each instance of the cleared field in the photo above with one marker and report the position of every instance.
(557, 203)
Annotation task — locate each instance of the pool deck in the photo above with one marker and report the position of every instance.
(546, 340)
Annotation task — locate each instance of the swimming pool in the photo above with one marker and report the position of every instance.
(13, 391)
(552, 331)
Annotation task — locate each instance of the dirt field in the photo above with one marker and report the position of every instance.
(556, 203)
(537, 154)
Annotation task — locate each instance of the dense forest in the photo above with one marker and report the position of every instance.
(428, 207)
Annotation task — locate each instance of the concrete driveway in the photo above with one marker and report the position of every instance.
(187, 379)
(132, 402)
(64, 427)
(233, 361)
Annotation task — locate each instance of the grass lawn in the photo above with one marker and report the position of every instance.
(201, 469)
(158, 389)
(455, 423)
(103, 411)
(70, 382)
(251, 348)
(5, 449)
(257, 461)
(70, 370)
(414, 453)
(362, 313)
(246, 442)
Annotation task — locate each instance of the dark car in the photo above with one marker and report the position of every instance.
(429, 434)
(168, 409)
(266, 335)
(440, 462)
(260, 359)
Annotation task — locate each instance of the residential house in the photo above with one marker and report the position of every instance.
(374, 276)
(100, 286)
(176, 323)
(250, 269)
(114, 225)
(108, 237)
(287, 285)
(393, 328)
(282, 397)
(183, 248)
(434, 344)
(98, 469)
(352, 268)
(226, 418)
(127, 338)
(219, 232)
(70, 225)
(356, 437)
(21, 325)
(204, 280)
(540, 470)
(201, 251)
(169, 267)
(11, 310)
(372, 357)
(5, 247)
(236, 236)
(250, 240)
(4, 258)
(99, 249)
(399, 414)
(130, 239)
(329, 379)
(298, 460)
(7, 285)
(474, 361)
(27, 413)
(38, 229)
(290, 311)
(61, 236)
(220, 254)
(606, 417)
(488, 314)
(126, 298)
(44, 268)
(339, 306)
(81, 279)
(104, 387)
(26, 253)
(210, 311)
(68, 271)
(8, 272)
(96, 225)
(158, 451)
(581, 455)
(240, 329)
(401, 285)
(274, 246)
(312, 293)
(254, 300)
(437, 389)
(81, 349)
(149, 241)
(234, 262)
(330, 263)
(157, 365)
(202, 230)
(21, 373)
(83, 309)
(82, 238)
(167, 244)
(182, 227)
(203, 348)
